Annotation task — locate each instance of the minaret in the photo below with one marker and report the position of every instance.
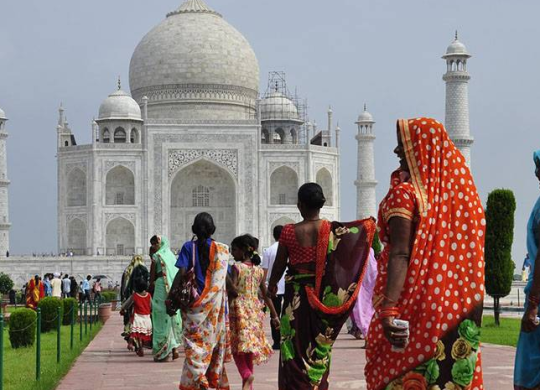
(457, 97)
(366, 202)
(4, 184)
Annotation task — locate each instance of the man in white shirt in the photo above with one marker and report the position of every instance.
(66, 287)
(56, 285)
(269, 257)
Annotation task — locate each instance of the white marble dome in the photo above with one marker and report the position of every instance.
(194, 55)
(2, 114)
(365, 117)
(276, 106)
(456, 48)
(119, 105)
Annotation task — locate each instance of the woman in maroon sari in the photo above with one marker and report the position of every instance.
(326, 263)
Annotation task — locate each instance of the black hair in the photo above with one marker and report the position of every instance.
(154, 239)
(311, 195)
(140, 285)
(88, 277)
(277, 232)
(203, 228)
(249, 245)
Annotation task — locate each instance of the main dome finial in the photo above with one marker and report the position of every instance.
(194, 6)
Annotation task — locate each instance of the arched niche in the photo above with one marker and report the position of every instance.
(76, 188)
(120, 135)
(202, 186)
(120, 186)
(120, 237)
(324, 179)
(283, 186)
(76, 237)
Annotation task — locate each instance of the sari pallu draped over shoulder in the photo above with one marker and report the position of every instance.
(444, 287)
(316, 306)
(206, 340)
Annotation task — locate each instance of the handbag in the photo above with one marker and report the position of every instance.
(186, 294)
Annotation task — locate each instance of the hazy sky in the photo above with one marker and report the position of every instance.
(341, 52)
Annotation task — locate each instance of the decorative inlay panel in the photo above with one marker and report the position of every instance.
(227, 158)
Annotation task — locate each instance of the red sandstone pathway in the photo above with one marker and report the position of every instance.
(106, 364)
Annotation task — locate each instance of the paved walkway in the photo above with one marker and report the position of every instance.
(106, 364)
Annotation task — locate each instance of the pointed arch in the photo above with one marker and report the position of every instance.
(120, 186)
(324, 179)
(106, 136)
(120, 135)
(77, 237)
(202, 186)
(76, 188)
(283, 186)
(120, 237)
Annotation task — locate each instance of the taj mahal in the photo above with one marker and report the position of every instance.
(195, 134)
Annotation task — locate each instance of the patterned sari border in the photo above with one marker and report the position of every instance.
(413, 167)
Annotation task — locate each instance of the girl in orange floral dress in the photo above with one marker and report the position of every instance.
(248, 341)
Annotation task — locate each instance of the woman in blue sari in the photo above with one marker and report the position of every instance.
(527, 368)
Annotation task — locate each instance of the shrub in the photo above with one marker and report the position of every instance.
(6, 284)
(49, 311)
(69, 305)
(500, 208)
(22, 328)
(108, 296)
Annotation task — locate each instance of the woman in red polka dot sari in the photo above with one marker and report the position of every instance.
(431, 272)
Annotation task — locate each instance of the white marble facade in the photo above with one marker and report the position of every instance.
(194, 137)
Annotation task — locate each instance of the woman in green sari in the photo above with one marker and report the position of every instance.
(167, 330)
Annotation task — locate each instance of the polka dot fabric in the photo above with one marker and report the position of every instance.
(297, 254)
(444, 286)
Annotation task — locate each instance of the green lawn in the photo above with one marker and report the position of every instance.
(506, 334)
(20, 364)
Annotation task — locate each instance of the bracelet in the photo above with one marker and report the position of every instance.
(388, 299)
(388, 312)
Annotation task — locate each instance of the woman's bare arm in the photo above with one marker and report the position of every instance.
(401, 233)
(273, 312)
(400, 240)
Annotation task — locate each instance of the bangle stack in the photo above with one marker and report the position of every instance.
(534, 301)
(386, 312)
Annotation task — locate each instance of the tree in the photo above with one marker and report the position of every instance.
(6, 284)
(500, 208)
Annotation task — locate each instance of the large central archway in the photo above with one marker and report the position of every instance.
(202, 186)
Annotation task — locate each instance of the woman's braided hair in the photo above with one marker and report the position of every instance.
(249, 245)
(203, 228)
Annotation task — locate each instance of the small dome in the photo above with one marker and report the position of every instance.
(276, 106)
(119, 105)
(365, 116)
(2, 114)
(456, 48)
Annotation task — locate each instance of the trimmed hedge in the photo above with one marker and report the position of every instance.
(6, 284)
(108, 296)
(49, 311)
(22, 328)
(69, 305)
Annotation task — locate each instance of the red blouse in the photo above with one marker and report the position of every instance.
(142, 305)
(297, 254)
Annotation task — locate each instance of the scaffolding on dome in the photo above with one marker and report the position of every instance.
(277, 108)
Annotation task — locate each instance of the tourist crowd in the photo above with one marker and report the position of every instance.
(58, 286)
(417, 303)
